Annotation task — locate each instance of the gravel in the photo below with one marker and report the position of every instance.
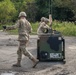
(8, 56)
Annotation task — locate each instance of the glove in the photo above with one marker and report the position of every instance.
(4, 27)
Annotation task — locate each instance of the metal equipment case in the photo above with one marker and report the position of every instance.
(51, 46)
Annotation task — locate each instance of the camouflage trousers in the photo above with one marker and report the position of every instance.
(22, 50)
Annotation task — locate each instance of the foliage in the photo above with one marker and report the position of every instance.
(60, 9)
(42, 8)
(28, 6)
(35, 27)
(64, 10)
(7, 11)
(66, 28)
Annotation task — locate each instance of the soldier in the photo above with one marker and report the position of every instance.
(24, 28)
(43, 27)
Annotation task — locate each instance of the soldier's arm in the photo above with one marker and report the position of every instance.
(12, 27)
(39, 30)
(47, 26)
(50, 20)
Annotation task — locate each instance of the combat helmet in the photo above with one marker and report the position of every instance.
(43, 19)
(22, 14)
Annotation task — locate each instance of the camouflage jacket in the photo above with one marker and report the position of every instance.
(24, 28)
(41, 27)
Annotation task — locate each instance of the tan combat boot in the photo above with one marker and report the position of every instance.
(35, 61)
(18, 64)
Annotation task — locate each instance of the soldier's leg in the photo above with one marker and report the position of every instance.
(19, 53)
(28, 54)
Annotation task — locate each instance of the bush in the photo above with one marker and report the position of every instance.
(66, 28)
(35, 27)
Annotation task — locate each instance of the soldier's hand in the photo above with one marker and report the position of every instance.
(4, 27)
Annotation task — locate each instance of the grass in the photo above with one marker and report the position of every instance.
(34, 27)
(66, 28)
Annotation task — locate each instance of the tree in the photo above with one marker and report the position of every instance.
(64, 9)
(7, 11)
(26, 5)
(43, 8)
(60, 9)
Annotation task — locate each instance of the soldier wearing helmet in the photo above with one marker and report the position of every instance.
(24, 28)
(44, 19)
(22, 14)
(43, 27)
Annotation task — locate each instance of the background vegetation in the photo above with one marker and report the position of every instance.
(63, 13)
(63, 10)
(66, 28)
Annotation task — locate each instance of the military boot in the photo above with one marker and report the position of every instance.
(18, 64)
(35, 61)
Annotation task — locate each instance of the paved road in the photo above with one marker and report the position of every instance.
(8, 48)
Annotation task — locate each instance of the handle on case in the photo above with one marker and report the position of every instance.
(63, 48)
(38, 52)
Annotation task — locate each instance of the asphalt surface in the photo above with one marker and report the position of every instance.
(8, 56)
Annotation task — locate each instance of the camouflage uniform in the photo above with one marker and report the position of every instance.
(24, 28)
(43, 25)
